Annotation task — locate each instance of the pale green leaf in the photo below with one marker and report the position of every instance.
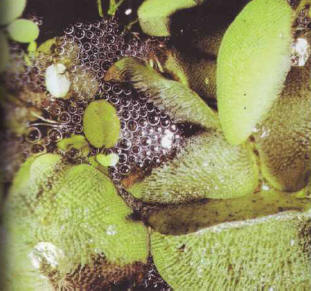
(10, 10)
(107, 160)
(101, 124)
(23, 30)
(253, 61)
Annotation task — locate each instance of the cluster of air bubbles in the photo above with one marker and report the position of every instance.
(60, 119)
(148, 136)
(88, 50)
(101, 44)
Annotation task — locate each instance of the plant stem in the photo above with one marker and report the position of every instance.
(100, 8)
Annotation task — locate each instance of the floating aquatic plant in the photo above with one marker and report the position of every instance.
(11, 10)
(76, 211)
(101, 124)
(23, 30)
(252, 64)
(208, 167)
(191, 217)
(218, 194)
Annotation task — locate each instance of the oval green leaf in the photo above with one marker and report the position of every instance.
(4, 52)
(253, 61)
(101, 124)
(10, 10)
(23, 30)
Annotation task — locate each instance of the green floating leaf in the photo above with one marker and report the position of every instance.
(154, 15)
(186, 218)
(259, 254)
(284, 138)
(253, 61)
(208, 167)
(75, 141)
(89, 210)
(23, 30)
(107, 160)
(10, 10)
(4, 52)
(101, 124)
(183, 104)
(76, 217)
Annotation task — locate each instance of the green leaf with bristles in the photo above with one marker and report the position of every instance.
(69, 216)
(208, 167)
(180, 102)
(258, 254)
(253, 61)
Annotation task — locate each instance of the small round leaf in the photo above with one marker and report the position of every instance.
(23, 30)
(101, 124)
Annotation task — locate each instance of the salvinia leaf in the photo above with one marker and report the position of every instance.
(232, 256)
(253, 61)
(208, 167)
(181, 103)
